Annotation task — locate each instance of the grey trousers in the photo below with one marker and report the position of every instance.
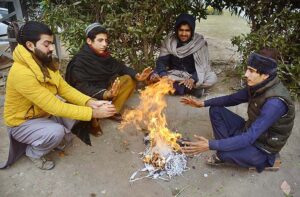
(37, 137)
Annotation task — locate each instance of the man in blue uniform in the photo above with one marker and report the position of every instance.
(271, 113)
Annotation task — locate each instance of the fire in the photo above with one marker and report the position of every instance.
(162, 156)
(150, 115)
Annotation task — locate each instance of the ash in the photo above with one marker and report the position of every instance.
(174, 165)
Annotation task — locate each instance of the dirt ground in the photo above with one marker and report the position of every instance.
(104, 168)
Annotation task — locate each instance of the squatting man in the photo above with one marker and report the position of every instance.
(37, 119)
(271, 112)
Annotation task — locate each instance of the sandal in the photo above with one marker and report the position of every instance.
(274, 168)
(214, 160)
(42, 163)
(96, 129)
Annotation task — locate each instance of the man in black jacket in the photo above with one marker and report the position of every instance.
(93, 71)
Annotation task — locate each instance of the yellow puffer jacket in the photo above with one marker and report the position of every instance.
(29, 95)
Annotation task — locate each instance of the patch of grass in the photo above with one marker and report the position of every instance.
(223, 26)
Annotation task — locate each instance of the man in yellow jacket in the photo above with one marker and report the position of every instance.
(34, 111)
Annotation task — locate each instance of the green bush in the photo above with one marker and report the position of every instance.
(282, 33)
(136, 28)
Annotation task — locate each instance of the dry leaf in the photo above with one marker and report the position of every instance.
(285, 187)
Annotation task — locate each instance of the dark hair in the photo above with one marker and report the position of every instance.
(95, 31)
(32, 31)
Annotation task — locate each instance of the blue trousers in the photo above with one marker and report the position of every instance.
(226, 124)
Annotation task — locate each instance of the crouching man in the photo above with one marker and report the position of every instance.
(93, 71)
(36, 118)
(271, 113)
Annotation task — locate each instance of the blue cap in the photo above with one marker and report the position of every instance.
(262, 64)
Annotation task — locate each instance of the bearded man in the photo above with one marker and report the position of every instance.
(184, 59)
(37, 118)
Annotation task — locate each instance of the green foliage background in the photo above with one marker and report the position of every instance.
(274, 24)
(280, 31)
(282, 35)
(136, 28)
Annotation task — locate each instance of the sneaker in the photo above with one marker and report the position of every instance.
(42, 163)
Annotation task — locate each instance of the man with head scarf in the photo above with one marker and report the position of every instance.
(271, 113)
(184, 59)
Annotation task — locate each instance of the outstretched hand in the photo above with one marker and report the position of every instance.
(193, 148)
(144, 75)
(192, 102)
(113, 91)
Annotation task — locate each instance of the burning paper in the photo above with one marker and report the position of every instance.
(162, 156)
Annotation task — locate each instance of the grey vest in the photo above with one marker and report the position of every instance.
(276, 136)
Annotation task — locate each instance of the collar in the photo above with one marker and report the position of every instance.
(23, 56)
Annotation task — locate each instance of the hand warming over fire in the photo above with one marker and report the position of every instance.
(113, 91)
(189, 83)
(104, 111)
(94, 104)
(192, 102)
(193, 148)
(144, 75)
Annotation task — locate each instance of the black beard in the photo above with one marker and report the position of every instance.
(44, 58)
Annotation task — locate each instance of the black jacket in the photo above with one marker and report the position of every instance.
(92, 74)
(276, 136)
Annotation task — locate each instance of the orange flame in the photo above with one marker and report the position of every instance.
(150, 115)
